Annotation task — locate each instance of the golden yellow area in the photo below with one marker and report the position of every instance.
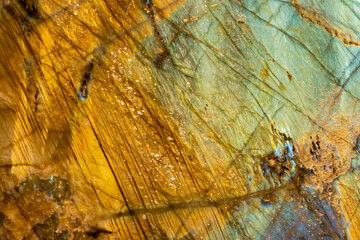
(350, 207)
(117, 144)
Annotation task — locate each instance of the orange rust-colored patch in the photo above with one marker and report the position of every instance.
(314, 17)
(289, 75)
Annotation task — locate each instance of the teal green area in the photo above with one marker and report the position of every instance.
(236, 68)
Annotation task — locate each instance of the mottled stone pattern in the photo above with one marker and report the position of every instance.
(179, 119)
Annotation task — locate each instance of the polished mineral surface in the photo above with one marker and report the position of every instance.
(179, 119)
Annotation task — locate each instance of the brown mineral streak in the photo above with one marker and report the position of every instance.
(314, 17)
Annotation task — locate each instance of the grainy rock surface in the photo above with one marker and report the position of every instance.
(179, 119)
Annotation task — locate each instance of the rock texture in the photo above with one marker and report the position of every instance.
(179, 119)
